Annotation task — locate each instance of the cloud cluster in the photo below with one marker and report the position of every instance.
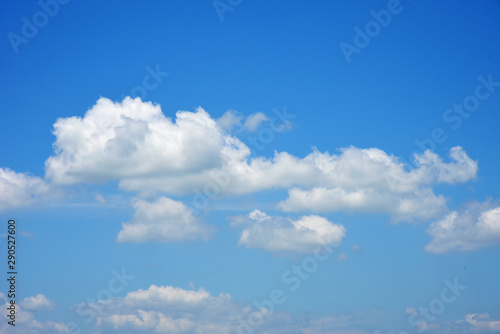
(370, 180)
(163, 220)
(474, 226)
(278, 234)
(134, 142)
(167, 309)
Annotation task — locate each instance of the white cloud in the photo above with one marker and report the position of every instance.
(366, 180)
(253, 121)
(410, 310)
(232, 119)
(369, 180)
(37, 303)
(278, 234)
(229, 120)
(133, 139)
(481, 322)
(422, 203)
(134, 143)
(357, 249)
(163, 220)
(475, 226)
(20, 189)
(167, 309)
(100, 198)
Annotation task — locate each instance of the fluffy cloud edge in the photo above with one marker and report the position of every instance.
(135, 143)
(473, 226)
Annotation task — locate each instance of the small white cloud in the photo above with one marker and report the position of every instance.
(230, 120)
(357, 249)
(38, 303)
(253, 121)
(475, 226)
(278, 234)
(100, 198)
(410, 310)
(342, 257)
(164, 220)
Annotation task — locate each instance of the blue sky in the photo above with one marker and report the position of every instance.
(183, 162)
